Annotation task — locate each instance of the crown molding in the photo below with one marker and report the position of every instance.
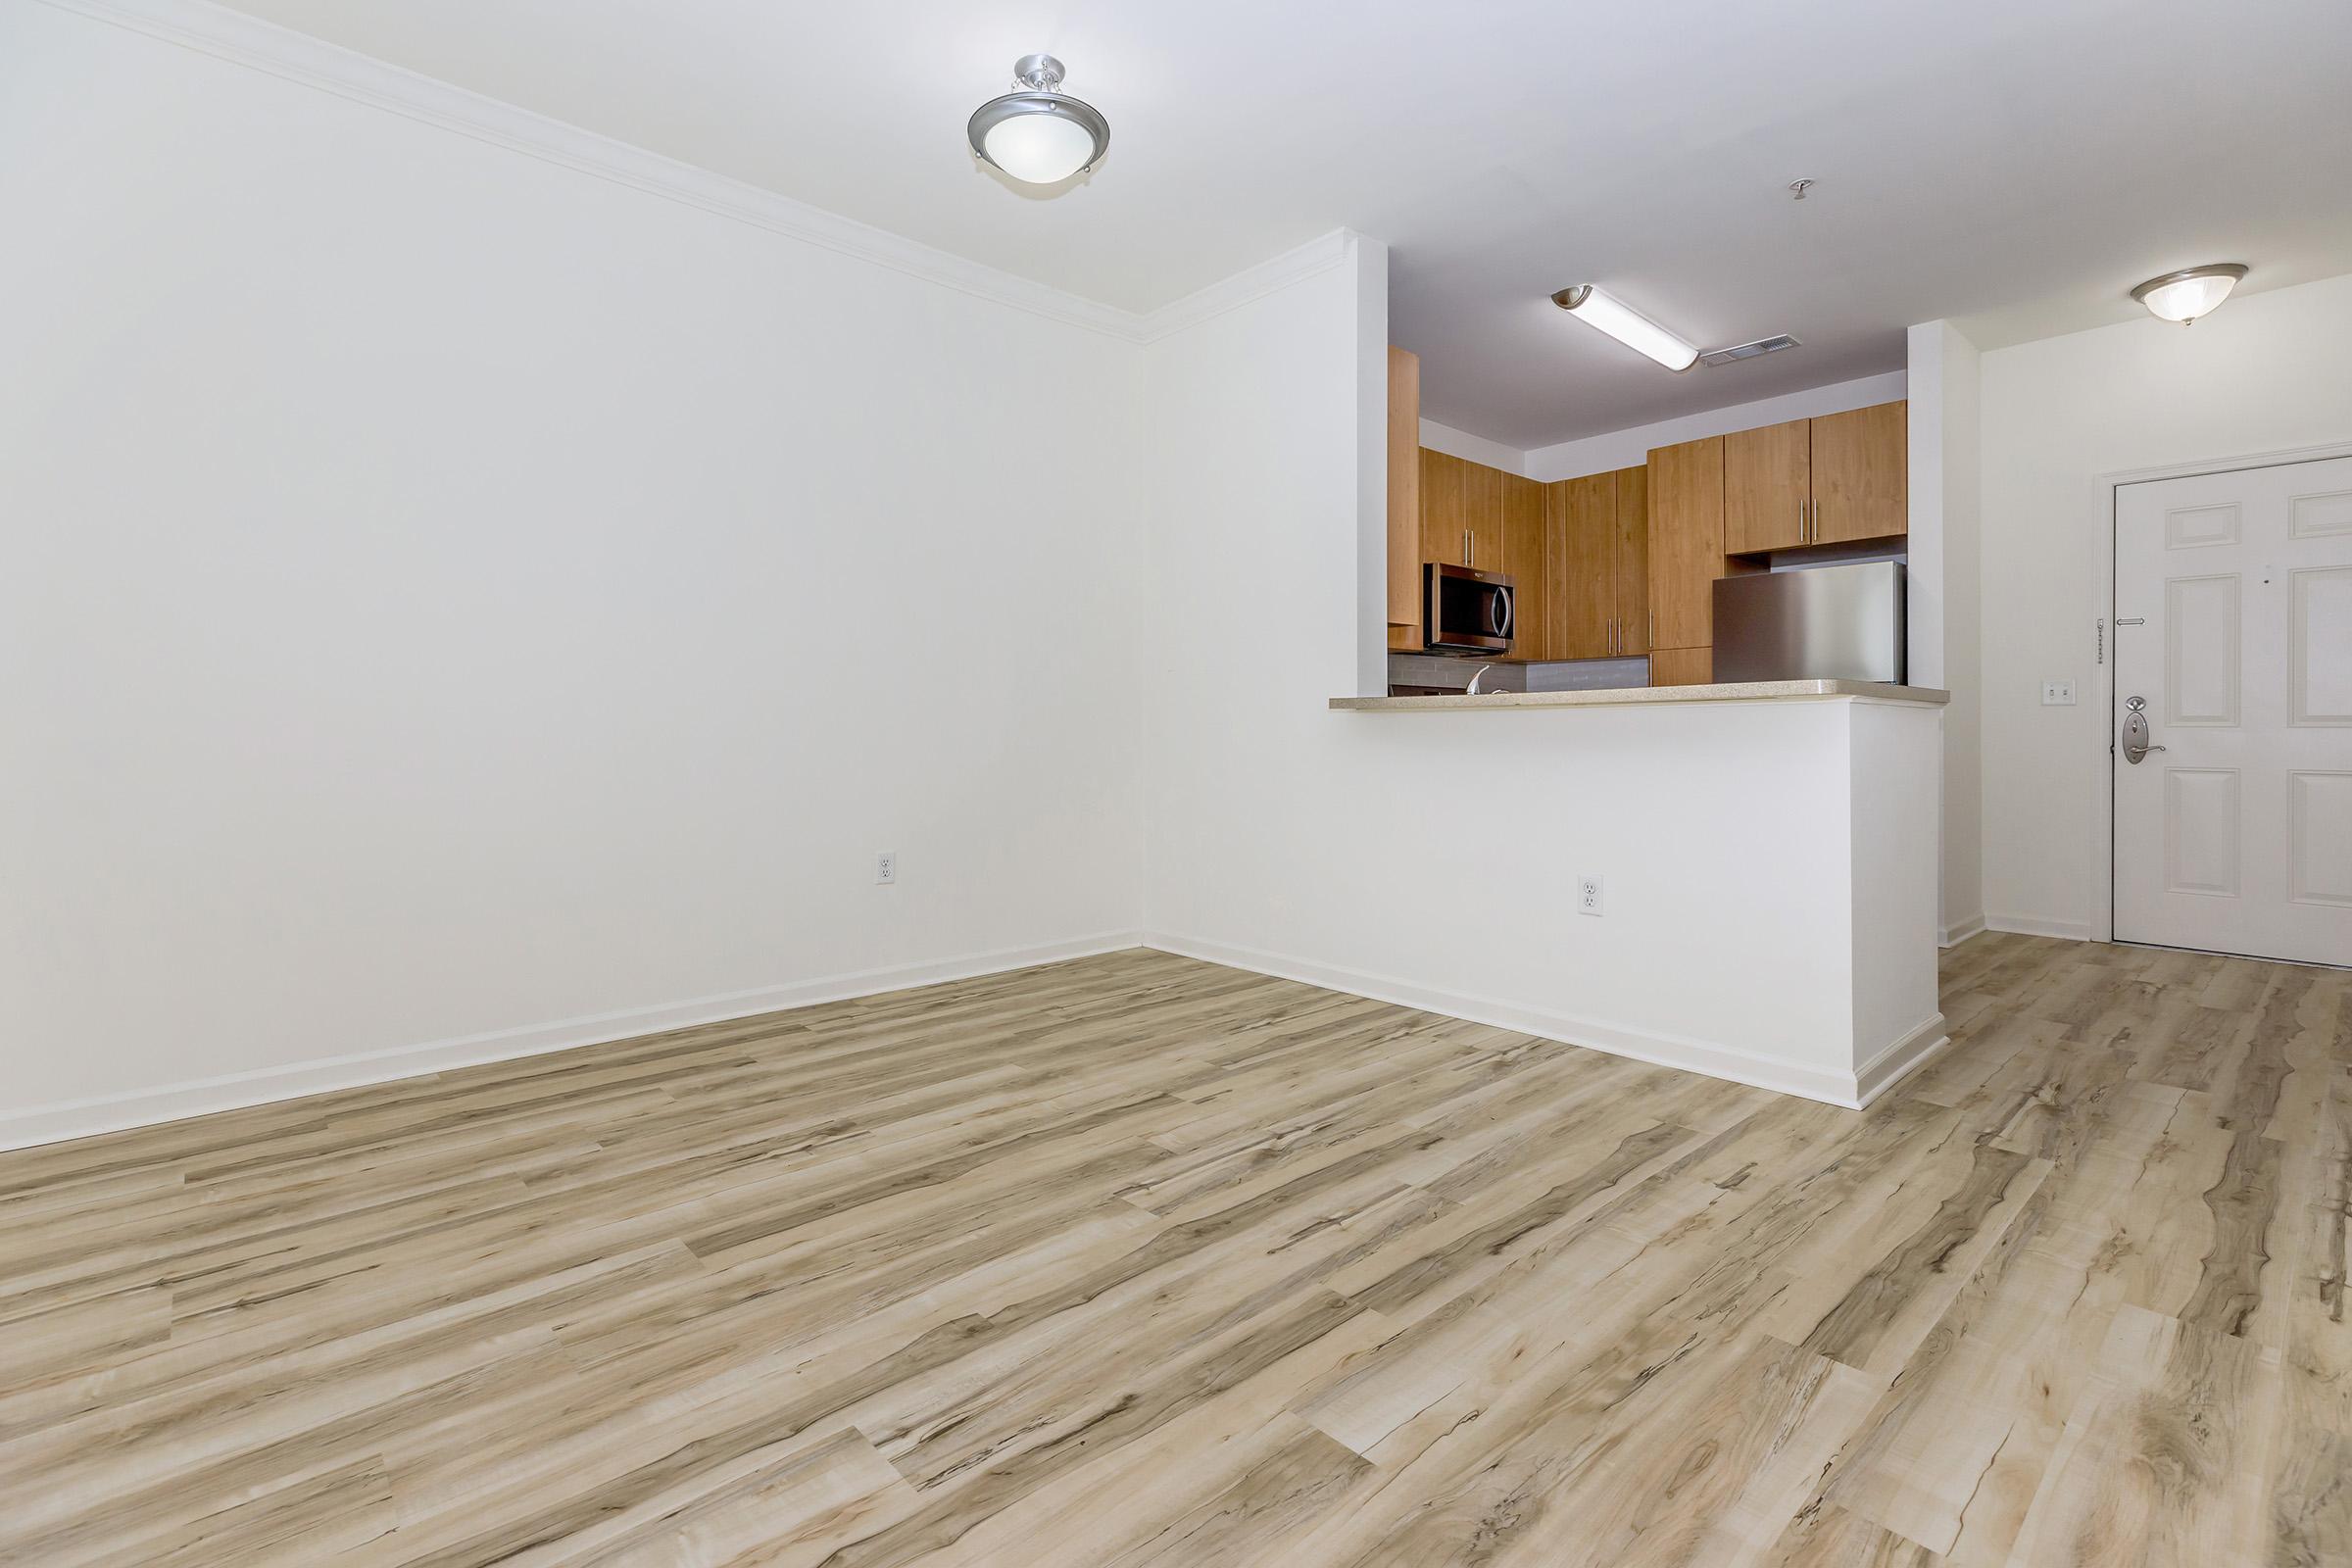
(1317, 255)
(297, 56)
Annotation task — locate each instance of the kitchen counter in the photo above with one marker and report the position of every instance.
(1758, 691)
(1769, 851)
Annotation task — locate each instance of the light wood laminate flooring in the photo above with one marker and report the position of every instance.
(1137, 1260)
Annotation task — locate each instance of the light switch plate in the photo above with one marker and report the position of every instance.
(2057, 694)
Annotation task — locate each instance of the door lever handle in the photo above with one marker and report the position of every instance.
(2136, 742)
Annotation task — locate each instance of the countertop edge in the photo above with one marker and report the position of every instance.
(1764, 691)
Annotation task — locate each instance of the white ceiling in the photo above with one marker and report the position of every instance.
(2016, 164)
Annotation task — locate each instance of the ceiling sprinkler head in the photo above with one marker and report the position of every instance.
(1798, 187)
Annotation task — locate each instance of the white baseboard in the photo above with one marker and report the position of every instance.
(144, 1108)
(2025, 925)
(1899, 1061)
(1960, 931)
(1707, 1058)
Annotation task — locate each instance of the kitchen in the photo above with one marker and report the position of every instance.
(1776, 553)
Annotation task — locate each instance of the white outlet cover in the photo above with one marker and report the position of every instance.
(2057, 694)
(886, 867)
(1587, 895)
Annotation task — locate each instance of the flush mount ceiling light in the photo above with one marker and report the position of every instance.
(1037, 135)
(2184, 296)
(1627, 326)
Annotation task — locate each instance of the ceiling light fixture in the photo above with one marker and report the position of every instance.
(2186, 295)
(1037, 135)
(1627, 326)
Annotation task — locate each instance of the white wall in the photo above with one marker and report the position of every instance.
(1630, 448)
(1431, 857)
(449, 593)
(2267, 372)
(1944, 551)
(473, 592)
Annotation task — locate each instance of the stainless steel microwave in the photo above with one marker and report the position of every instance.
(1466, 608)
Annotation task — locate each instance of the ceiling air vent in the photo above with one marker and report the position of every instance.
(1747, 350)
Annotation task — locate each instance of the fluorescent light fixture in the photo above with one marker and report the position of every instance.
(2186, 295)
(1627, 326)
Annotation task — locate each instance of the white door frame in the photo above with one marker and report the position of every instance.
(2102, 902)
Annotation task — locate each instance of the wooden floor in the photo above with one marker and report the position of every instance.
(1136, 1260)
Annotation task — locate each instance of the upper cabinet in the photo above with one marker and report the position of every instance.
(1462, 521)
(1768, 487)
(1483, 492)
(1831, 480)
(1685, 542)
(1445, 534)
(1861, 474)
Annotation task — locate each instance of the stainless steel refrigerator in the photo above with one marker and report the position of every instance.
(1814, 623)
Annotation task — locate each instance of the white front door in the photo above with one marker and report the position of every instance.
(2234, 627)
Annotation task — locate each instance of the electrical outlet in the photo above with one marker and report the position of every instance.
(886, 867)
(2057, 694)
(1587, 895)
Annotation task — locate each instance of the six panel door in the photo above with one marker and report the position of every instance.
(2233, 831)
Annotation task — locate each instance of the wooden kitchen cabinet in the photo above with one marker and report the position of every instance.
(1861, 474)
(1482, 517)
(1831, 480)
(1596, 569)
(1405, 500)
(1483, 491)
(1580, 567)
(1633, 561)
(1686, 543)
(1444, 536)
(1461, 512)
(1522, 560)
(1768, 487)
(1681, 667)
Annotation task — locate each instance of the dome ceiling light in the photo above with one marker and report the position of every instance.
(1037, 135)
(2184, 296)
